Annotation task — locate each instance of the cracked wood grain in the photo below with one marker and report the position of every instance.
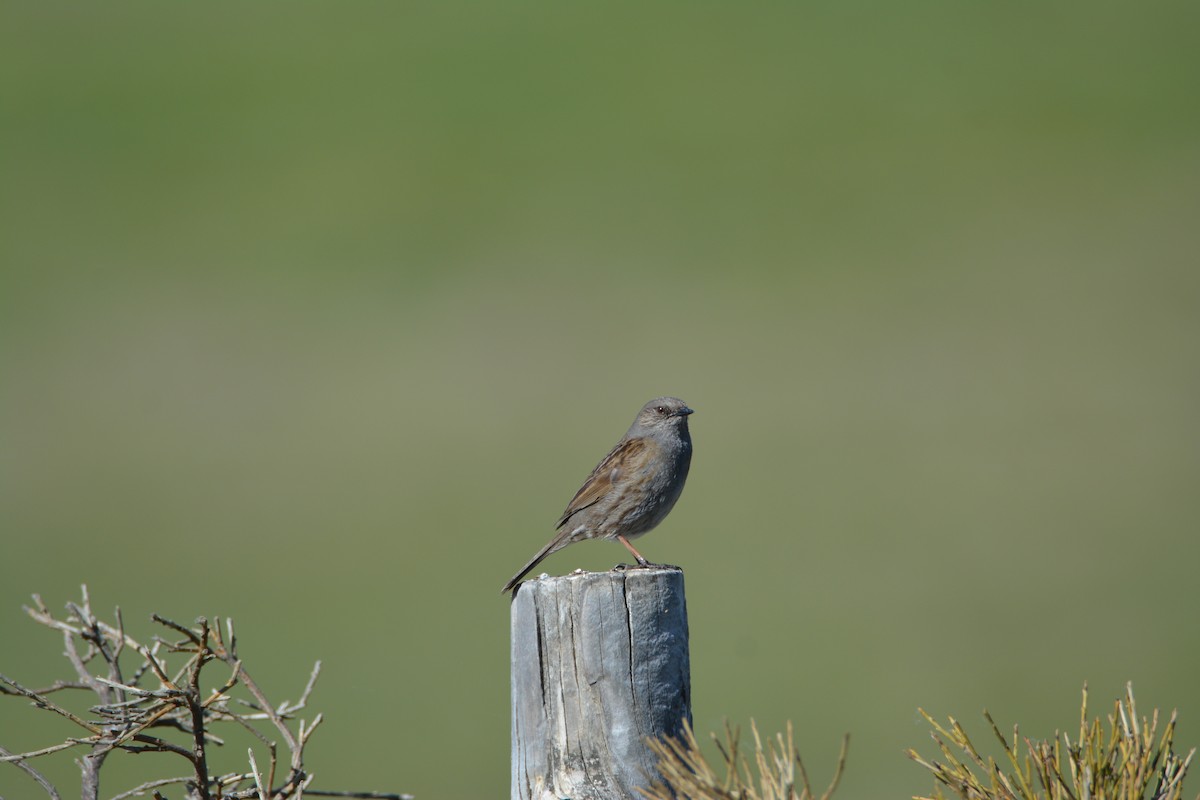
(599, 663)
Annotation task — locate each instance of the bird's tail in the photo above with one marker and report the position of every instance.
(551, 546)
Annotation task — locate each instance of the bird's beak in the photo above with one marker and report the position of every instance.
(683, 412)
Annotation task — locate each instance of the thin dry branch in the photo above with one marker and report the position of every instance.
(145, 787)
(45, 751)
(364, 795)
(19, 761)
(42, 702)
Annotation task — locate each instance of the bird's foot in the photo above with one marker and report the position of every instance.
(645, 565)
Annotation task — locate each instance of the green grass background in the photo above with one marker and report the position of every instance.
(316, 314)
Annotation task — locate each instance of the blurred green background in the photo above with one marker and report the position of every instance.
(316, 314)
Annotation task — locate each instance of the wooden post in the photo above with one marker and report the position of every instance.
(599, 663)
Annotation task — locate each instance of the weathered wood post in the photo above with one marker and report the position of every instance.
(599, 662)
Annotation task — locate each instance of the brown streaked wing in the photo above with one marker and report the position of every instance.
(599, 482)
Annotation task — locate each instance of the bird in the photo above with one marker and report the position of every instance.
(633, 488)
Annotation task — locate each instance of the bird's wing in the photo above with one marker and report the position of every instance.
(621, 459)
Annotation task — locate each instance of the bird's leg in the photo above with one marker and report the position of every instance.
(641, 561)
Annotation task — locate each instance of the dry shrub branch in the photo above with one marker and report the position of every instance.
(778, 772)
(159, 698)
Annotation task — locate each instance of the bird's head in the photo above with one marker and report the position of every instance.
(661, 413)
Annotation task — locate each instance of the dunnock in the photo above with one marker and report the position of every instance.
(633, 488)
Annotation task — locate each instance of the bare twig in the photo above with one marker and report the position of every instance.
(258, 781)
(367, 795)
(175, 626)
(161, 693)
(42, 702)
(57, 686)
(45, 751)
(285, 709)
(196, 709)
(29, 770)
(145, 787)
(156, 744)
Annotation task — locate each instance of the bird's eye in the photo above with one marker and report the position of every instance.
(661, 409)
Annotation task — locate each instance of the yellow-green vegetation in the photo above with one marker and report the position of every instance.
(1128, 762)
(777, 774)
